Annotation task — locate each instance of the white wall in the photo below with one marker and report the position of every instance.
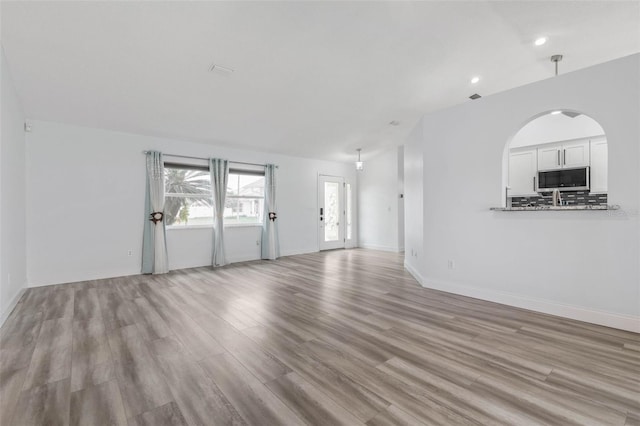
(554, 128)
(86, 197)
(583, 265)
(378, 194)
(400, 198)
(413, 200)
(12, 194)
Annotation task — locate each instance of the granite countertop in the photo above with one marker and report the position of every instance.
(555, 208)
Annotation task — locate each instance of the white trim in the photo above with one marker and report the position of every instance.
(245, 258)
(608, 319)
(231, 225)
(413, 272)
(176, 227)
(11, 307)
(299, 251)
(381, 248)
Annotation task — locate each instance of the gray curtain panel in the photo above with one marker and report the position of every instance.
(154, 238)
(270, 242)
(219, 176)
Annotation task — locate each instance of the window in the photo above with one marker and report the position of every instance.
(245, 197)
(188, 200)
(187, 195)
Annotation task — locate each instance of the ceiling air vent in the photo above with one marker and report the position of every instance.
(219, 69)
(475, 96)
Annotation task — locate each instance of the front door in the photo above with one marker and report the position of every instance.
(331, 212)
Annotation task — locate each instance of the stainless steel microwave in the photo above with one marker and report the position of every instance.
(577, 179)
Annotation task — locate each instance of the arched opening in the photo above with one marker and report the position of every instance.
(557, 158)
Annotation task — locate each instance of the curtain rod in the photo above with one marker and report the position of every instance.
(202, 158)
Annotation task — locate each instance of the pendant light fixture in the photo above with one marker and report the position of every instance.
(359, 163)
(555, 59)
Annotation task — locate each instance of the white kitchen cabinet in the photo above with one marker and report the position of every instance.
(575, 154)
(599, 165)
(522, 173)
(564, 155)
(549, 157)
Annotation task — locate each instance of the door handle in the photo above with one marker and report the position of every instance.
(564, 156)
(534, 184)
(558, 157)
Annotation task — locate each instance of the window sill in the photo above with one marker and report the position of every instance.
(239, 225)
(174, 228)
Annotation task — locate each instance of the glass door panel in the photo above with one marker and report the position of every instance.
(331, 212)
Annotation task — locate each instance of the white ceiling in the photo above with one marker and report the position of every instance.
(314, 79)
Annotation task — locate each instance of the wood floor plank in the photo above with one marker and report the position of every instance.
(116, 310)
(360, 401)
(59, 304)
(51, 359)
(393, 416)
(86, 304)
(142, 384)
(99, 405)
(255, 403)
(309, 403)
(18, 340)
(47, 404)
(11, 382)
(165, 415)
(199, 399)
(91, 362)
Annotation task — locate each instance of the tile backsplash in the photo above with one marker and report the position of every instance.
(572, 198)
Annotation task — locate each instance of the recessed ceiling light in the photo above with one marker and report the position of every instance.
(474, 80)
(540, 41)
(475, 96)
(556, 112)
(394, 123)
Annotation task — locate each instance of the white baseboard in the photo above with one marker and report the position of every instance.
(4, 315)
(379, 247)
(299, 251)
(239, 259)
(413, 272)
(594, 316)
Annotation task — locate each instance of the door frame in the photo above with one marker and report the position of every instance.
(340, 244)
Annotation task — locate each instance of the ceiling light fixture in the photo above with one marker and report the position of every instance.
(474, 80)
(474, 97)
(555, 59)
(359, 163)
(540, 41)
(556, 112)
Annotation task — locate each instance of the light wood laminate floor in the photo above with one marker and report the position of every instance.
(340, 337)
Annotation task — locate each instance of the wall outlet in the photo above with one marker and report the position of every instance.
(130, 252)
(451, 264)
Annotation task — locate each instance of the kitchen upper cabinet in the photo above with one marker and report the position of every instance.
(565, 155)
(522, 173)
(549, 158)
(575, 154)
(599, 165)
